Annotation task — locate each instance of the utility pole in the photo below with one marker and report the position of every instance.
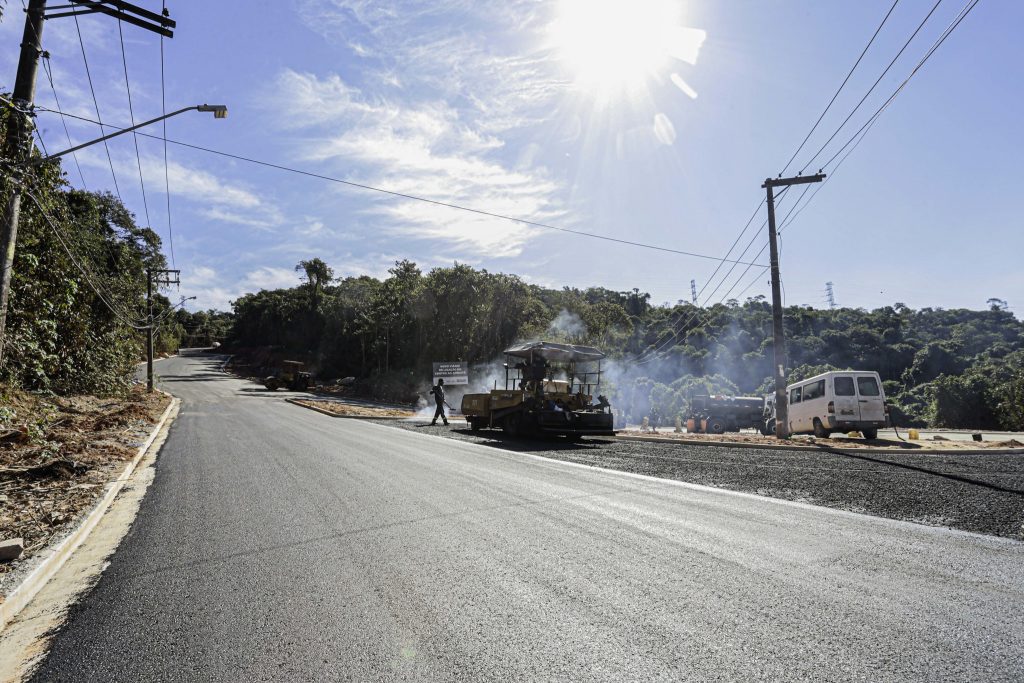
(779, 338)
(17, 147)
(165, 277)
(693, 291)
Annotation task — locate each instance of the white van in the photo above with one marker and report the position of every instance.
(840, 401)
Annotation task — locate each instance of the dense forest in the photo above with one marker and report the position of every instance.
(77, 312)
(950, 368)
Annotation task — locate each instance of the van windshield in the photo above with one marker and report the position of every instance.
(844, 386)
(867, 386)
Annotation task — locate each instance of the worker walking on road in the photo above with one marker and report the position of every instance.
(438, 392)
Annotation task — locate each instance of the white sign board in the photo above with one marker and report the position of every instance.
(452, 373)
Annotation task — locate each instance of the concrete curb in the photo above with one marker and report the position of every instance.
(824, 448)
(17, 599)
(356, 417)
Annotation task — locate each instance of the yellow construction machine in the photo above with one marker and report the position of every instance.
(548, 389)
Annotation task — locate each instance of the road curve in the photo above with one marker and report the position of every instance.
(280, 544)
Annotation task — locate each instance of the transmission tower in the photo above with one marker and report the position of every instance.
(693, 291)
(830, 296)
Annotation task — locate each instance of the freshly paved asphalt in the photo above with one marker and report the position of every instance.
(280, 544)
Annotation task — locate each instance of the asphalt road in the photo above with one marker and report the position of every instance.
(280, 544)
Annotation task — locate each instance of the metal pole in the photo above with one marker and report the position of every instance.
(778, 335)
(149, 331)
(17, 147)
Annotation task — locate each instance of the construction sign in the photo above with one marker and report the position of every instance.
(452, 373)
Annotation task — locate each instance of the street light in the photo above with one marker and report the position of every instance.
(220, 111)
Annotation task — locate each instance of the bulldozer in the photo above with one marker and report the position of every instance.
(549, 390)
(289, 374)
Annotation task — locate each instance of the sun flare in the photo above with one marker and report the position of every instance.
(619, 44)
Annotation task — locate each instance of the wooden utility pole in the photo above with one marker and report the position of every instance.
(779, 338)
(166, 277)
(17, 147)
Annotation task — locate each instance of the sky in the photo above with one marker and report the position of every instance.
(651, 121)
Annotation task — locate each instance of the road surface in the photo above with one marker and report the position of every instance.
(280, 544)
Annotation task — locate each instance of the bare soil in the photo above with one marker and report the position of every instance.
(351, 410)
(58, 453)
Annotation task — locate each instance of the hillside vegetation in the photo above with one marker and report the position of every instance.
(949, 368)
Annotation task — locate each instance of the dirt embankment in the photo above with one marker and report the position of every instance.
(57, 453)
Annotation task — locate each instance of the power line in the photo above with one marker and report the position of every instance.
(873, 85)
(131, 114)
(426, 200)
(48, 70)
(99, 119)
(163, 112)
(841, 86)
(964, 11)
(84, 271)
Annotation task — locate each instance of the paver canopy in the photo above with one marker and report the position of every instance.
(556, 352)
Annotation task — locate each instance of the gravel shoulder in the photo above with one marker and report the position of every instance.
(977, 492)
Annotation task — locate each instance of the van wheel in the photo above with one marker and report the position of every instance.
(820, 431)
(715, 426)
(769, 427)
(871, 433)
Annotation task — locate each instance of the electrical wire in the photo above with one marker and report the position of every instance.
(167, 175)
(96, 104)
(426, 200)
(131, 114)
(874, 85)
(84, 271)
(841, 86)
(48, 70)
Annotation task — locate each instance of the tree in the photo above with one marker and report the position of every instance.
(317, 275)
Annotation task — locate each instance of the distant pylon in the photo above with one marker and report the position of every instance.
(830, 296)
(693, 290)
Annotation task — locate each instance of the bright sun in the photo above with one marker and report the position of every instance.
(619, 44)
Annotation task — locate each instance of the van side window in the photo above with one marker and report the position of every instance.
(814, 390)
(844, 386)
(794, 395)
(867, 386)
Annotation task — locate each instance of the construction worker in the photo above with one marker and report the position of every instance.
(438, 392)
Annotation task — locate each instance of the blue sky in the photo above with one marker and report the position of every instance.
(657, 124)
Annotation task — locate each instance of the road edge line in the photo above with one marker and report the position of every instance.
(22, 595)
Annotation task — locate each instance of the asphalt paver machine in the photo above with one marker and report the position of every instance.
(549, 388)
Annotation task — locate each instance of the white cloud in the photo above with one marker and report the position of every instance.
(425, 149)
(269, 277)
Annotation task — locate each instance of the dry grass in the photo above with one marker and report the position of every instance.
(58, 453)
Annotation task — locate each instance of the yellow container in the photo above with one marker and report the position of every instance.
(914, 435)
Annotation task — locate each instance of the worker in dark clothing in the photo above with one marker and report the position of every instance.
(438, 392)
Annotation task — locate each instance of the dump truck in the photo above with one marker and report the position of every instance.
(548, 389)
(716, 414)
(289, 374)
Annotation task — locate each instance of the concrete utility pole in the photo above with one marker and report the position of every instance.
(165, 279)
(779, 338)
(17, 147)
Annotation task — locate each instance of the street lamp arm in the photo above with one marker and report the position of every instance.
(219, 111)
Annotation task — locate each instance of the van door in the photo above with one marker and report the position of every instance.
(847, 404)
(872, 402)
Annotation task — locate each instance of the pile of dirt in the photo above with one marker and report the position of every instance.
(58, 453)
(351, 410)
